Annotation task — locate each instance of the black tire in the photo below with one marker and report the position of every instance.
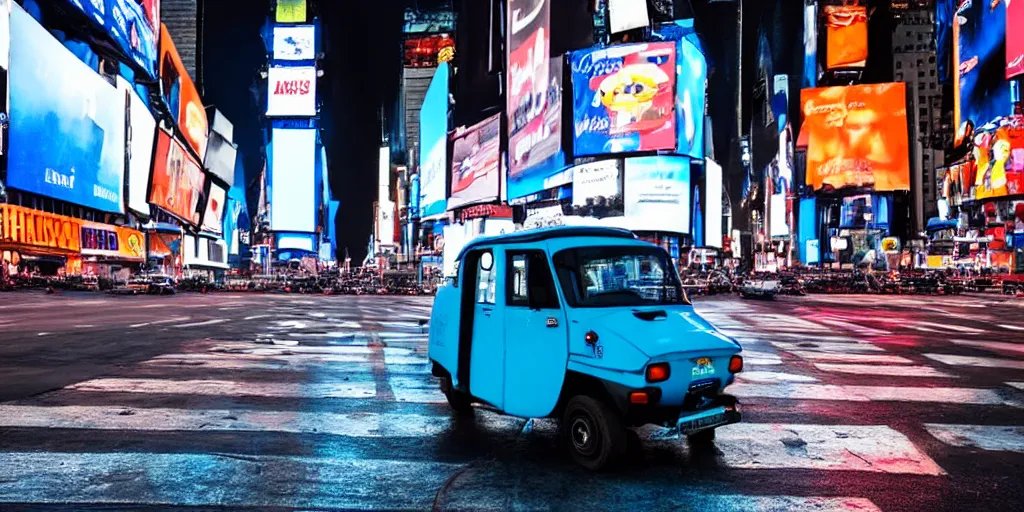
(702, 440)
(593, 433)
(459, 401)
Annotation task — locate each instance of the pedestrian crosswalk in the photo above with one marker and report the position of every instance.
(350, 417)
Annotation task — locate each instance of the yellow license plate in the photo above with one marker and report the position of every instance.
(703, 368)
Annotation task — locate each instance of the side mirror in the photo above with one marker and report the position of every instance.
(486, 261)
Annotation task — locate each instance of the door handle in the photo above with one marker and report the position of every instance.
(551, 322)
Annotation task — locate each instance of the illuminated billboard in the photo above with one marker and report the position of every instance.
(293, 180)
(846, 36)
(857, 137)
(593, 181)
(713, 217)
(657, 193)
(140, 156)
(434, 145)
(1014, 38)
(213, 217)
(626, 15)
(290, 11)
(177, 180)
(534, 87)
(291, 91)
(294, 42)
(67, 128)
(624, 98)
(998, 168)
(690, 99)
(181, 95)
(423, 51)
(981, 92)
(476, 156)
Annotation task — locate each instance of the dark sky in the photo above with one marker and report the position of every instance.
(362, 71)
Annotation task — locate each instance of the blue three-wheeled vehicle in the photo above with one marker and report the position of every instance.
(588, 325)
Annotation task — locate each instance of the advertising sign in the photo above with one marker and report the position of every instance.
(624, 98)
(141, 134)
(713, 184)
(594, 180)
(1014, 38)
(847, 36)
(129, 26)
(294, 42)
(291, 11)
(33, 228)
(434, 145)
(690, 99)
(810, 45)
(626, 15)
(998, 162)
(292, 91)
(112, 242)
(293, 180)
(980, 86)
(213, 218)
(534, 87)
(857, 137)
(221, 157)
(181, 95)
(657, 193)
(476, 156)
(5, 34)
(66, 142)
(177, 183)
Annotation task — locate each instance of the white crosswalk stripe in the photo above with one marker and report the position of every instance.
(981, 362)
(985, 437)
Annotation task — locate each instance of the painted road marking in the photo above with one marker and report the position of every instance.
(870, 393)
(950, 327)
(1011, 327)
(981, 362)
(877, 449)
(889, 371)
(1018, 385)
(160, 322)
(416, 390)
(852, 327)
(416, 366)
(221, 480)
(993, 346)
(252, 348)
(201, 324)
(229, 388)
(985, 437)
(772, 377)
(850, 358)
(257, 317)
(816, 346)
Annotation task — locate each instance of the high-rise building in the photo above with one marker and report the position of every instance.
(182, 20)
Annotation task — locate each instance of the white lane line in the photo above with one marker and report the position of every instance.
(888, 371)
(257, 317)
(232, 481)
(822, 447)
(985, 437)
(980, 362)
(787, 503)
(950, 327)
(773, 377)
(159, 322)
(870, 393)
(1012, 327)
(993, 346)
(228, 388)
(404, 365)
(251, 348)
(815, 346)
(853, 327)
(416, 390)
(201, 324)
(850, 358)
(84, 326)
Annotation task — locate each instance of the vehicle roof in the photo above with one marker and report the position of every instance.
(545, 234)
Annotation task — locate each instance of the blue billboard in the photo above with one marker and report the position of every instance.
(128, 26)
(982, 86)
(67, 131)
(656, 192)
(434, 145)
(691, 86)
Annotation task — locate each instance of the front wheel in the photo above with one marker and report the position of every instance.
(458, 400)
(594, 433)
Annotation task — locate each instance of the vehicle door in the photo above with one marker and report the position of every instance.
(536, 339)
(487, 356)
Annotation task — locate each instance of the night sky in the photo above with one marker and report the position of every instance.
(362, 72)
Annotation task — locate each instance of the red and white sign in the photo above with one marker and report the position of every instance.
(1014, 39)
(291, 91)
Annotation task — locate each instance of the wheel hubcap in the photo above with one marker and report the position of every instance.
(582, 434)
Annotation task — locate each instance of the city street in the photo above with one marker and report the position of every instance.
(327, 402)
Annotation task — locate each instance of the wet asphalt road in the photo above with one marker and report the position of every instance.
(277, 402)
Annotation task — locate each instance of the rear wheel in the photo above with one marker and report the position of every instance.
(458, 400)
(593, 432)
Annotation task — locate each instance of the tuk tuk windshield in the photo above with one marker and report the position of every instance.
(619, 276)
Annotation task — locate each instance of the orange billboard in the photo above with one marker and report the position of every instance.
(857, 137)
(847, 36)
(177, 182)
(32, 228)
(181, 95)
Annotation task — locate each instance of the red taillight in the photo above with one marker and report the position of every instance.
(736, 364)
(638, 397)
(658, 372)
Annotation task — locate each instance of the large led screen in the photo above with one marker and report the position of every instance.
(293, 180)
(626, 15)
(476, 165)
(213, 218)
(177, 180)
(857, 137)
(291, 11)
(67, 135)
(534, 87)
(294, 42)
(998, 168)
(594, 181)
(1014, 38)
(624, 98)
(434, 145)
(690, 99)
(656, 191)
(984, 93)
(221, 156)
(130, 27)
(5, 35)
(142, 132)
(811, 45)
(846, 36)
(713, 217)
(291, 91)
(181, 95)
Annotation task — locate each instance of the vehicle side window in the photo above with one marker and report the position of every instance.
(530, 281)
(486, 279)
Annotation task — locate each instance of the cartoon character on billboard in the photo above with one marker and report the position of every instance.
(991, 180)
(629, 94)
